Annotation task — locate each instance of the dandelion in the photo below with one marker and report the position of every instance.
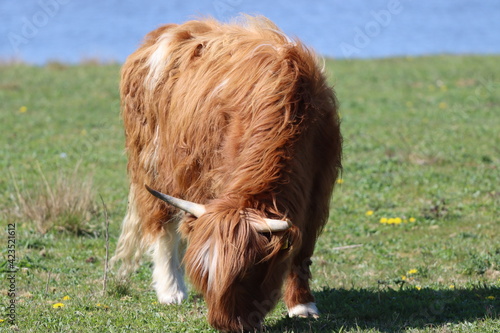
(340, 181)
(418, 287)
(412, 219)
(369, 213)
(66, 298)
(490, 297)
(394, 220)
(23, 109)
(403, 278)
(412, 271)
(443, 105)
(58, 305)
(383, 220)
(452, 286)
(2, 320)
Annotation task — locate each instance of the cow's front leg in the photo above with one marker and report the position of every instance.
(298, 297)
(168, 273)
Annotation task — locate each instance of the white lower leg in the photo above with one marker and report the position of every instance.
(168, 274)
(131, 246)
(304, 310)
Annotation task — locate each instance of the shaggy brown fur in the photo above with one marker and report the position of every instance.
(240, 118)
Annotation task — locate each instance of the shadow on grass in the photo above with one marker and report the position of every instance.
(394, 310)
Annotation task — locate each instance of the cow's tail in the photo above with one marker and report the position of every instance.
(131, 245)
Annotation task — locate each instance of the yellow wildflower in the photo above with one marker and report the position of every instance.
(66, 298)
(403, 278)
(412, 219)
(383, 220)
(452, 286)
(23, 109)
(490, 297)
(394, 220)
(369, 213)
(58, 305)
(340, 181)
(2, 320)
(418, 287)
(412, 271)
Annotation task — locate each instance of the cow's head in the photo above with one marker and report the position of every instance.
(236, 257)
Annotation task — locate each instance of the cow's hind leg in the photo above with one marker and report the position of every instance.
(131, 245)
(168, 274)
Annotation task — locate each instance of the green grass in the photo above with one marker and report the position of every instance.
(421, 140)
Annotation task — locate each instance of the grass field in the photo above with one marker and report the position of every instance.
(420, 191)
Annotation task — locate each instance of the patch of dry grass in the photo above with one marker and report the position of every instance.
(64, 202)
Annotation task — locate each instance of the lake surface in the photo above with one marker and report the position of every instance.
(38, 31)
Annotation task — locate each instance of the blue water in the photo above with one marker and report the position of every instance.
(38, 31)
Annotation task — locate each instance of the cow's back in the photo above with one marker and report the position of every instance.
(215, 110)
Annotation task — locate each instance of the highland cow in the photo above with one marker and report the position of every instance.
(234, 127)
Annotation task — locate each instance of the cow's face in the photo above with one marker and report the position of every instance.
(237, 258)
(237, 267)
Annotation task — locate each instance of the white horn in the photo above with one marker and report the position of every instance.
(272, 225)
(187, 206)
